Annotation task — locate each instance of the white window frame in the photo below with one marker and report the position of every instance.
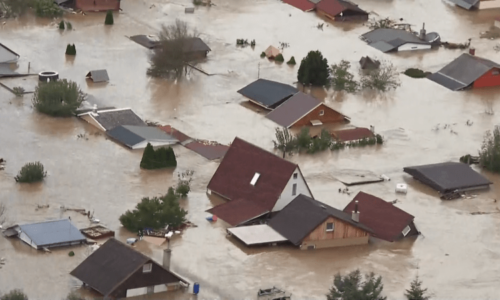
(406, 230)
(147, 268)
(322, 112)
(294, 189)
(295, 175)
(333, 227)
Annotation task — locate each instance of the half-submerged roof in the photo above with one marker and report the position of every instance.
(353, 134)
(45, 234)
(239, 211)
(257, 234)
(195, 44)
(233, 177)
(268, 93)
(111, 118)
(304, 5)
(386, 220)
(132, 136)
(388, 39)
(463, 71)
(335, 7)
(7, 55)
(467, 4)
(110, 265)
(293, 109)
(98, 75)
(448, 176)
(304, 214)
(147, 41)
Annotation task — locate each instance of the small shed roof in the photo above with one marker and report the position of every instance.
(45, 234)
(304, 5)
(335, 7)
(462, 71)
(239, 211)
(130, 136)
(268, 93)
(448, 176)
(272, 51)
(367, 62)
(257, 234)
(386, 220)
(388, 39)
(304, 214)
(145, 41)
(353, 134)
(7, 55)
(195, 44)
(293, 109)
(98, 75)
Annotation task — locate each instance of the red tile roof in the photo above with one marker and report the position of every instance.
(238, 211)
(335, 7)
(353, 134)
(241, 162)
(304, 5)
(386, 220)
(208, 151)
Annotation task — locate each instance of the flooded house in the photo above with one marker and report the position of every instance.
(255, 183)
(354, 134)
(148, 41)
(107, 119)
(267, 93)
(196, 48)
(476, 4)
(98, 76)
(90, 5)
(368, 63)
(392, 39)
(138, 137)
(7, 56)
(304, 110)
(387, 222)
(468, 71)
(449, 177)
(340, 10)
(304, 5)
(271, 52)
(48, 234)
(117, 271)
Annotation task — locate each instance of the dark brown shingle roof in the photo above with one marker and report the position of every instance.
(353, 134)
(335, 7)
(293, 109)
(236, 212)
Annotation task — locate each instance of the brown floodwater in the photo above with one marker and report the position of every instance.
(457, 255)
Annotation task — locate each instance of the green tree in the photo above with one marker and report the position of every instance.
(14, 295)
(47, 9)
(14, 8)
(156, 213)
(61, 25)
(279, 58)
(352, 287)
(158, 159)
(303, 139)
(291, 61)
(342, 79)
(416, 292)
(184, 183)
(489, 155)
(31, 172)
(322, 142)
(285, 141)
(383, 79)
(71, 49)
(313, 69)
(58, 98)
(109, 18)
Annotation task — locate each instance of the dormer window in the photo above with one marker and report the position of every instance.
(255, 178)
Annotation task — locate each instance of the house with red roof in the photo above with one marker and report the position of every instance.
(340, 10)
(255, 182)
(386, 221)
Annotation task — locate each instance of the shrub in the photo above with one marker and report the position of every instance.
(157, 159)
(71, 49)
(197, 2)
(18, 91)
(321, 143)
(303, 139)
(109, 18)
(184, 184)
(263, 54)
(58, 98)
(342, 79)
(291, 61)
(313, 69)
(14, 295)
(352, 287)
(14, 8)
(379, 139)
(384, 78)
(279, 58)
(69, 26)
(489, 155)
(47, 9)
(61, 25)
(71, 253)
(415, 73)
(285, 141)
(31, 172)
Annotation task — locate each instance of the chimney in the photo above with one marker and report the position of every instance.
(167, 253)
(94, 108)
(422, 32)
(355, 212)
(472, 51)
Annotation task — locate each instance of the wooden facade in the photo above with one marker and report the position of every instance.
(329, 115)
(489, 79)
(344, 234)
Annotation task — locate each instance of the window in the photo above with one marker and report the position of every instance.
(406, 230)
(295, 175)
(496, 72)
(330, 227)
(321, 112)
(147, 268)
(254, 179)
(294, 189)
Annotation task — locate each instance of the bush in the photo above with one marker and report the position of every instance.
(109, 18)
(14, 295)
(58, 98)
(31, 172)
(313, 70)
(415, 73)
(197, 2)
(352, 287)
(156, 213)
(18, 91)
(489, 155)
(61, 25)
(71, 49)
(69, 26)
(384, 78)
(47, 9)
(157, 159)
(291, 61)
(263, 54)
(342, 79)
(379, 139)
(184, 184)
(14, 8)
(279, 58)
(303, 139)
(321, 143)
(71, 254)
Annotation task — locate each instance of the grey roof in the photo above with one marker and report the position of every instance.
(268, 93)
(48, 233)
(195, 44)
(467, 4)
(293, 109)
(132, 135)
(5, 71)
(448, 177)
(388, 39)
(7, 55)
(144, 40)
(304, 214)
(462, 71)
(112, 118)
(98, 75)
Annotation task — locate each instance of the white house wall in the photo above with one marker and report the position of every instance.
(286, 196)
(413, 47)
(7, 56)
(27, 240)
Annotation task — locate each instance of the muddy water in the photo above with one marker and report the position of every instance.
(457, 255)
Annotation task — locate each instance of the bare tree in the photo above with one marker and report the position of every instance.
(383, 79)
(170, 56)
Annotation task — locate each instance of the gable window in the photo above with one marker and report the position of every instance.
(330, 227)
(406, 230)
(147, 268)
(294, 189)
(254, 179)
(295, 175)
(321, 112)
(496, 72)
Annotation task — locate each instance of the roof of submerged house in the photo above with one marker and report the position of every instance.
(239, 211)
(462, 71)
(268, 93)
(111, 118)
(195, 44)
(293, 109)
(304, 5)
(45, 234)
(388, 39)
(7, 55)
(98, 75)
(467, 4)
(149, 42)
(353, 134)
(335, 7)
(130, 136)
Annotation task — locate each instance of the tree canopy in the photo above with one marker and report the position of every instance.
(383, 79)
(489, 155)
(14, 295)
(314, 70)
(416, 292)
(342, 79)
(58, 98)
(157, 159)
(353, 287)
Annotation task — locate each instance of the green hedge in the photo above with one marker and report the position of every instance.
(158, 159)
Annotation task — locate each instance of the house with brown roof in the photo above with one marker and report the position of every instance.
(353, 134)
(386, 221)
(255, 183)
(115, 270)
(304, 110)
(340, 10)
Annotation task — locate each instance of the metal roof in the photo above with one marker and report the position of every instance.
(145, 41)
(7, 55)
(293, 109)
(448, 177)
(47, 233)
(98, 75)
(462, 71)
(257, 234)
(109, 119)
(133, 135)
(195, 44)
(467, 4)
(387, 39)
(268, 93)
(5, 71)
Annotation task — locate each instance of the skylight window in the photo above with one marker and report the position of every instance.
(255, 178)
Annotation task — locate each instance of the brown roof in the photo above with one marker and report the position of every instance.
(335, 7)
(386, 220)
(175, 133)
(293, 109)
(241, 162)
(238, 211)
(208, 151)
(353, 134)
(304, 5)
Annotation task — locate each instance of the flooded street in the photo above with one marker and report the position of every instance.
(458, 254)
